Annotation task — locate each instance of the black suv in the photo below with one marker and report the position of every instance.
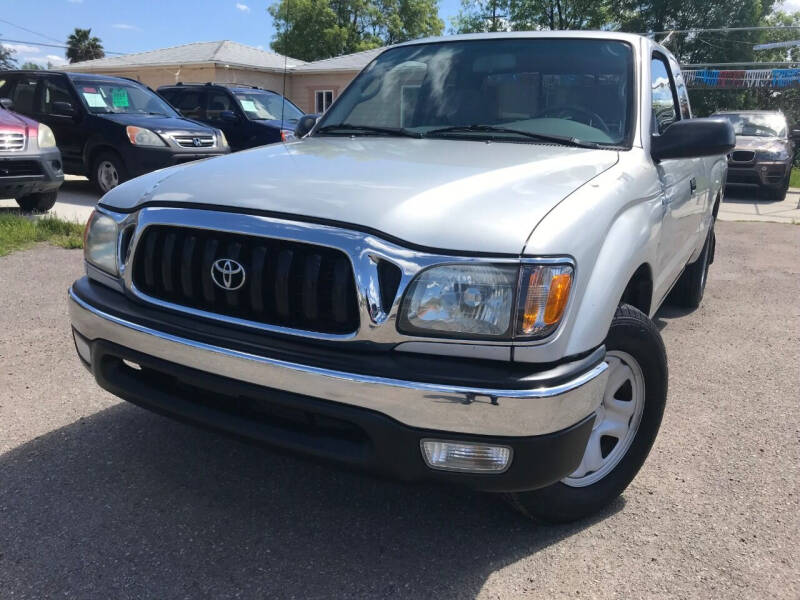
(109, 128)
(249, 116)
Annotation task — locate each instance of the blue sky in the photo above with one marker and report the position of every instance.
(137, 25)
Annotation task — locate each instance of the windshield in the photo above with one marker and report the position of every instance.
(506, 89)
(757, 125)
(121, 98)
(259, 106)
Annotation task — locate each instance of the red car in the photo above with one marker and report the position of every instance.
(30, 163)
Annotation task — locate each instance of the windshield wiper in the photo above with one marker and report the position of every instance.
(557, 139)
(346, 127)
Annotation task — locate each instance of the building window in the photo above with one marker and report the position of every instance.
(324, 98)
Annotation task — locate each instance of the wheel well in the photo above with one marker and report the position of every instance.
(639, 291)
(95, 152)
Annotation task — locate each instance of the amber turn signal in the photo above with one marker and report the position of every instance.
(544, 293)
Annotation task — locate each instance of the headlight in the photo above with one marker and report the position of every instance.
(773, 155)
(486, 301)
(223, 141)
(139, 136)
(46, 139)
(287, 135)
(100, 242)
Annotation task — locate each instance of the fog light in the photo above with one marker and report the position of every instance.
(465, 456)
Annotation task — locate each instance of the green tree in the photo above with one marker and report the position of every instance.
(317, 29)
(7, 60)
(31, 66)
(526, 15)
(82, 45)
(476, 16)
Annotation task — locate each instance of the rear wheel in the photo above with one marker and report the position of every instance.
(624, 430)
(108, 171)
(41, 202)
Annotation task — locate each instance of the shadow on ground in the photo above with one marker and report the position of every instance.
(128, 504)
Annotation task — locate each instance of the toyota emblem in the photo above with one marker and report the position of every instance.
(227, 274)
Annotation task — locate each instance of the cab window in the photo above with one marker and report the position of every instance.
(665, 107)
(218, 102)
(191, 104)
(53, 91)
(24, 93)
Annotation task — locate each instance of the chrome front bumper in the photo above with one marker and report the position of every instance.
(497, 412)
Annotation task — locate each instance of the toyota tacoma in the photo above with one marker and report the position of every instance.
(449, 276)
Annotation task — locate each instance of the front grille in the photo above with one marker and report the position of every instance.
(19, 168)
(743, 156)
(289, 284)
(11, 141)
(194, 141)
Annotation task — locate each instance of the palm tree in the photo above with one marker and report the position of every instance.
(82, 46)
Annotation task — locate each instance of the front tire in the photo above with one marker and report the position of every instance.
(108, 171)
(41, 202)
(625, 427)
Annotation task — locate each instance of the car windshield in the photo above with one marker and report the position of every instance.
(122, 98)
(504, 89)
(266, 106)
(757, 125)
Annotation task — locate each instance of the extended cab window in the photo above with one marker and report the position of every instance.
(576, 89)
(665, 109)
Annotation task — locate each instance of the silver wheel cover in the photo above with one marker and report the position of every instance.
(617, 421)
(107, 175)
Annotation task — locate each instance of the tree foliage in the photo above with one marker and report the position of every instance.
(526, 15)
(31, 66)
(7, 60)
(82, 45)
(317, 29)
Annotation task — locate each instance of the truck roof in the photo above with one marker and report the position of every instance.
(631, 38)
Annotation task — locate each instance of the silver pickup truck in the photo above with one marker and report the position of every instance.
(450, 277)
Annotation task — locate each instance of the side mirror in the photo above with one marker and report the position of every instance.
(304, 125)
(229, 116)
(795, 134)
(7, 103)
(694, 138)
(63, 109)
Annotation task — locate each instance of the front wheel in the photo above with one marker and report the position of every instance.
(624, 430)
(41, 202)
(108, 171)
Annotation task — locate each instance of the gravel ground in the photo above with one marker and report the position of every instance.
(100, 499)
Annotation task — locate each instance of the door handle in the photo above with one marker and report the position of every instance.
(693, 185)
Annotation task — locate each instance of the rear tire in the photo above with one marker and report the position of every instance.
(690, 288)
(108, 171)
(633, 405)
(41, 202)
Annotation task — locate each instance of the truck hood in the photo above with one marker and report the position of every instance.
(446, 194)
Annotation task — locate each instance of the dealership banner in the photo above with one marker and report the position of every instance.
(758, 78)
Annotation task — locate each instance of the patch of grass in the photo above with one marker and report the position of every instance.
(794, 181)
(19, 231)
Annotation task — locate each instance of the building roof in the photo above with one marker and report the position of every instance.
(223, 52)
(346, 62)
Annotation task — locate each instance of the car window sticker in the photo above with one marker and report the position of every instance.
(93, 99)
(119, 98)
(249, 106)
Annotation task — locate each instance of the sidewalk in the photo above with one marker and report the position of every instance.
(745, 206)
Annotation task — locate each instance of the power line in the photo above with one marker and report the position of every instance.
(47, 45)
(47, 37)
(721, 29)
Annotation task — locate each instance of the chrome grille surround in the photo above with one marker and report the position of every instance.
(364, 250)
(11, 141)
(187, 140)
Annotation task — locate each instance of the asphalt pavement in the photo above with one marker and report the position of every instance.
(101, 499)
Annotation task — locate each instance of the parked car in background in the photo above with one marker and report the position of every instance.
(764, 153)
(109, 128)
(249, 116)
(452, 277)
(30, 163)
